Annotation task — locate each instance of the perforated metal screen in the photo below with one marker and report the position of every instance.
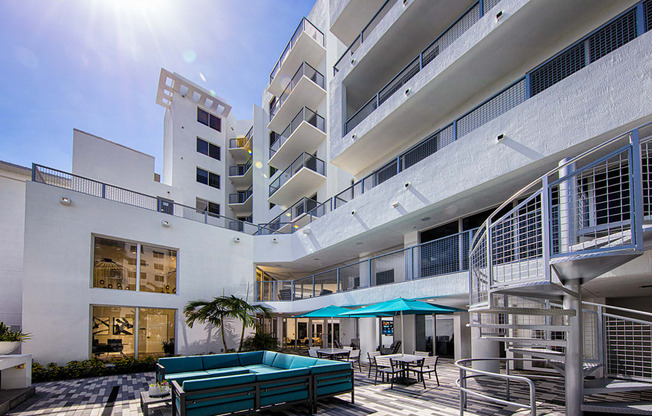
(612, 36)
(558, 68)
(648, 15)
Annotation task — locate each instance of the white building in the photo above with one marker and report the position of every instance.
(389, 132)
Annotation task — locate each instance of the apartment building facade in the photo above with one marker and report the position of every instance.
(388, 134)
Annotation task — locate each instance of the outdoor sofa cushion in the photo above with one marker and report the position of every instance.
(251, 358)
(210, 362)
(181, 364)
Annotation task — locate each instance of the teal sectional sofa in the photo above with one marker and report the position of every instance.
(245, 382)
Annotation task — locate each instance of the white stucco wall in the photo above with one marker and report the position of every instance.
(58, 270)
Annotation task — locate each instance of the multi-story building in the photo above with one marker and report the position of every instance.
(385, 161)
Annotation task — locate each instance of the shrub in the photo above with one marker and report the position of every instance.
(260, 342)
(91, 368)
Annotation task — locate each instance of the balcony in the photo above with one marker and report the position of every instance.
(240, 147)
(291, 219)
(301, 179)
(306, 45)
(240, 175)
(306, 131)
(445, 256)
(306, 88)
(241, 202)
(348, 17)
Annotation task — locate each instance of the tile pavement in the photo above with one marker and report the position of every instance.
(90, 397)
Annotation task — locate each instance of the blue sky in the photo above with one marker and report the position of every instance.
(94, 65)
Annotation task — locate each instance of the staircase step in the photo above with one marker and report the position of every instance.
(528, 341)
(527, 311)
(588, 368)
(623, 408)
(542, 327)
(612, 385)
(539, 352)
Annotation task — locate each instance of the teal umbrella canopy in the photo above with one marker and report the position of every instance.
(331, 311)
(400, 305)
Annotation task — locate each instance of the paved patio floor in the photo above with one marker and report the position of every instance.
(118, 395)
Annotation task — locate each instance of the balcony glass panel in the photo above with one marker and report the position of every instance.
(303, 161)
(304, 26)
(306, 115)
(304, 70)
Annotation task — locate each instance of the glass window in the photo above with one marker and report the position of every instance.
(202, 176)
(208, 149)
(213, 180)
(202, 205)
(158, 262)
(112, 331)
(215, 123)
(210, 120)
(155, 331)
(202, 116)
(202, 146)
(114, 264)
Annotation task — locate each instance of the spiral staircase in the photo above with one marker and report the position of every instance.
(529, 260)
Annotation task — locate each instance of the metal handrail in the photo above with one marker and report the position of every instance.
(44, 174)
(241, 169)
(305, 114)
(464, 390)
(241, 197)
(293, 169)
(315, 76)
(300, 29)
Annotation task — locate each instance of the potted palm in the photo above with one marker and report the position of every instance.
(10, 340)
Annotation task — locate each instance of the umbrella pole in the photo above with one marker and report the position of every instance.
(402, 335)
(332, 335)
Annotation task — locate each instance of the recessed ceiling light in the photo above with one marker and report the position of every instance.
(316, 259)
(425, 219)
(359, 243)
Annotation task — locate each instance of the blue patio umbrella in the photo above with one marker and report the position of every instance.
(403, 307)
(330, 312)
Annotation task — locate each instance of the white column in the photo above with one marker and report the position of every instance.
(462, 336)
(368, 336)
(481, 348)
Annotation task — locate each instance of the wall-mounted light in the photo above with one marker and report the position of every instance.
(407, 185)
(306, 231)
(407, 91)
(499, 15)
(353, 212)
(353, 137)
(165, 223)
(500, 137)
(275, 240)
(352, 61)
(236, 239)
(65, 201)
(395, 204)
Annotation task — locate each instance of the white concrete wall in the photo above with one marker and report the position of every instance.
(12, 220)
(57, 291)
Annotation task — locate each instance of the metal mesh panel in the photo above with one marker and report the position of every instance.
(399, 80)
(612, 36)
(303, 288)
(479, 270)
(566, 63)
(428, 147)
(326, 283)
(494, 107)
(516, 242)
(489, 4)
(451, 34)
(389, 268)
(442, 256)
(646, 174)
(648, 15)
(591, 336)
(594, 210)
(350, 276)
(628, 347)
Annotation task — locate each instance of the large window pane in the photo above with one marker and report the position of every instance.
(114, 264)
(113, 330)
(158, 270)
(155, 326)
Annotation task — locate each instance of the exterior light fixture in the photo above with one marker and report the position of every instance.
(275, 240)
(236, 239)
(353, 212)
(500, 137)
(407, 185)
(407, 91)
(165, 223)
(306, 231)
(499, 15)
(65, 201)
(352, 61)
(353, 136)
(395, 204)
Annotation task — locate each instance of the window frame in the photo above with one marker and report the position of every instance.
(209, 178)
(208, 205)
(212, 150)
(210, 120)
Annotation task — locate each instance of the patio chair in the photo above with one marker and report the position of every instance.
(338, 344)
(428, 366)
(354, 357)
(312, 352)
(285, 294)
(393, 349)
(387, 367)
(421, 353)
(371, 356)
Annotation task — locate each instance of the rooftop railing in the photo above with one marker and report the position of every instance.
(435, 258)
(240, 170)
(364, 34)
(304, 26)
(305, 114)
(303, 161)
(304, 70)
(64, 180)
(241, 197)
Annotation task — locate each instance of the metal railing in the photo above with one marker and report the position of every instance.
(435, 258)
(305, 114)
(466, 390)
(304, 26)
(303, 161)
(241, 197)
(286, 221)
(241, 142)
(64, 180)
(241, 169)
(359, 40)
(590, 205)
(305, 70)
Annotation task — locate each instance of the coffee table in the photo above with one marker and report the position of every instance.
(146, 400)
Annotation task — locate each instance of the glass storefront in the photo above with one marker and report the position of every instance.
(114, 329)
(122, 265)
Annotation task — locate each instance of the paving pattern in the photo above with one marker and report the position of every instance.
(119, 396)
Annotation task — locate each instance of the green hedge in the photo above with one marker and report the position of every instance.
(91, 368)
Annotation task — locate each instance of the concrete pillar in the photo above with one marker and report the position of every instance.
(365, 277)
(409, 340)
(574, 353)
(462, 335)
(481, 348)
(368, 337)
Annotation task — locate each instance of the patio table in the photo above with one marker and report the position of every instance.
(405, 360)
(333, 353)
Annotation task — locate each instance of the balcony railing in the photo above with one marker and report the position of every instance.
(304, 70)
(359, 40)
(64, 180)
(279, 225)
(240, 197)
(240, 170)
(306, 115)
(241, 142)
(304, 26)
(435, 258)
(620, 30)
(303, 161)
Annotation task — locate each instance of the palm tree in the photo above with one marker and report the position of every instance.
(246, 313)
(213, 312)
